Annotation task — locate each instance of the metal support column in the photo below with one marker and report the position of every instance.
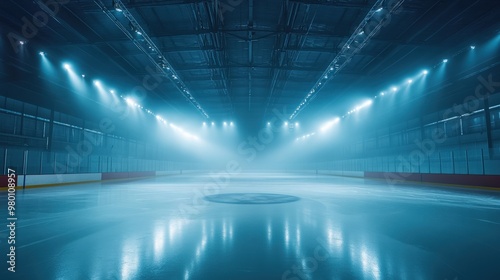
(51, 131)
(5, 162)
(487, 117)
(25, 167)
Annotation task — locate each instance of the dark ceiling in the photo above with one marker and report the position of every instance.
(238, 59)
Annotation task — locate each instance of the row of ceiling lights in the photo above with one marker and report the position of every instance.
(129, 101)
(369, 102)
(160, 61)
(360, 37)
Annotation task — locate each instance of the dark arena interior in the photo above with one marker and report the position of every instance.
(250, 139)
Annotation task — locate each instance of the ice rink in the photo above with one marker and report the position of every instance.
(254, 226)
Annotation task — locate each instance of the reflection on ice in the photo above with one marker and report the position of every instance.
(130, 259)
(159, 241)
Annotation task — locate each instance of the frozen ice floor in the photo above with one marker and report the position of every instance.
(270, 226)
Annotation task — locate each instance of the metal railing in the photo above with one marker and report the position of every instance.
(31, 162)
(479, 161)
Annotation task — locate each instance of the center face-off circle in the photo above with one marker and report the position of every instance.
(251, 198)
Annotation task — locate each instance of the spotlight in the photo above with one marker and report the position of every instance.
(425, 72)
(268, 124)
(297, 124)
(130, 101)
(117, 7)
(42, 53)
(382, 93)
(379, 10)
(97, 83)
(213, 123)
(410, 81)
(112, 91)
(83, 75)
(66, 66)
(22, 42)
(286, 123)
(134, 28)
(225, 123)
(472, 47)
(394, 89)
(231, 123)
(445, 60)
(361, 33)
(204, 124)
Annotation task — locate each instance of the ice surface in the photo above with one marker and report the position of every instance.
(340, 228)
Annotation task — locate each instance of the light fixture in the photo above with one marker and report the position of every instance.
(42, 53)
(204, 124)
(97, 83)
(409, 81)
(112, 91)
(134, 28)
(117, 7)
(22, 42)
(66, 66)
(379, 10)
(472, 47)
(231, 123)
(297, 124)
(268, 124)
(425, 72)
(445, 60)
(394, 89)
(382, 93)
(130, 101)
(83, 75)
(213, 123)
